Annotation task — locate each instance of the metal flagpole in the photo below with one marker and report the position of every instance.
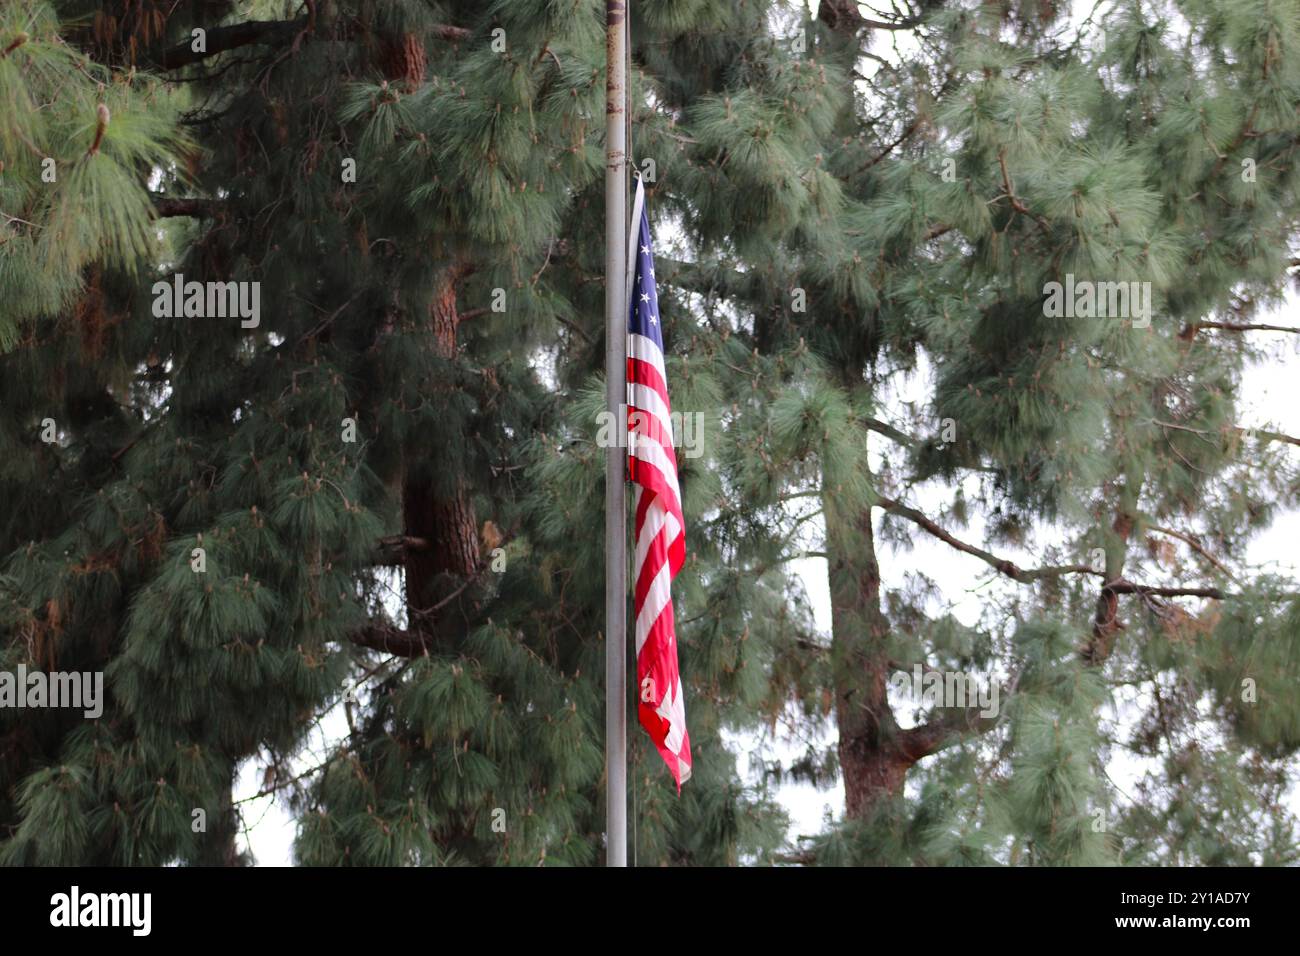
(615, 466)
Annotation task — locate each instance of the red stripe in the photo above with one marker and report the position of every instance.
(655, 557)
(657, 636)
(642, 372)
(652, 473)
(648, 424)
(650, 478)
(677, 554)
(649, 475)
(658, 656)
(643, 502)
(660, 550)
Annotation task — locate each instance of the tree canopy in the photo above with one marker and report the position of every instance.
(382, 493)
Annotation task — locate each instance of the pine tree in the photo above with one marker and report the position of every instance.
(1014, 149)
(383, 496)
(378, 493)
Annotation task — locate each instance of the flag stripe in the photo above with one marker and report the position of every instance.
(645, 399)
(642, 348)
(661, 472)
(659, 527)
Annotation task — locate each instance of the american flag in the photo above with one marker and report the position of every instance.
(659, 527)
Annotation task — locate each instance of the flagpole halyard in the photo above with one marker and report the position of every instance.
(615, 465)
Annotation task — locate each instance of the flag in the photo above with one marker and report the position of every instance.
(659, 528)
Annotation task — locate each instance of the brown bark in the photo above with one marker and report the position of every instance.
(843, 16)
(195, 207)
(872, 762)
(403, 58)
(274, 34)
(875, 754)
(448, 523)
(1106, 624)
(872, 773)
(439, 509)
(392, 640)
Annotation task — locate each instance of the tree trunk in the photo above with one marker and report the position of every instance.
(217, 845)
(438, 509)
(872, 759)
(1106, 625)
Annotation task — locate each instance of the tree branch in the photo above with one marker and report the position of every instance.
(845, 17)
(1025, 576)
(223, 39)
(393, 549)
(1268, 435)
(271, 33)
(943, 730)
(1237, 327)
(1263, 433)
(1001, 565)
(1129, 587)
(889, 431)
(1016, 202)
(890, 147)
(1195, 546)
(392, 640)
(198, 208)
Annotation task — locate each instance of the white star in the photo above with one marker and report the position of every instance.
(645, 250)
(653, 320)
(645, 297)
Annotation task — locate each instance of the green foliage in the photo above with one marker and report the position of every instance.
(75, 137)
(830, 228)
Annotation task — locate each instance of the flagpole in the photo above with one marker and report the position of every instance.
(615, 466)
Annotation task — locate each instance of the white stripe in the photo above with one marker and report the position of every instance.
(652, 454)
(653, 524)
(656, 521)
(676, 735)
(656, 599)
(656, 518)
(644, 348)
(632, 246)
(643, 398)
